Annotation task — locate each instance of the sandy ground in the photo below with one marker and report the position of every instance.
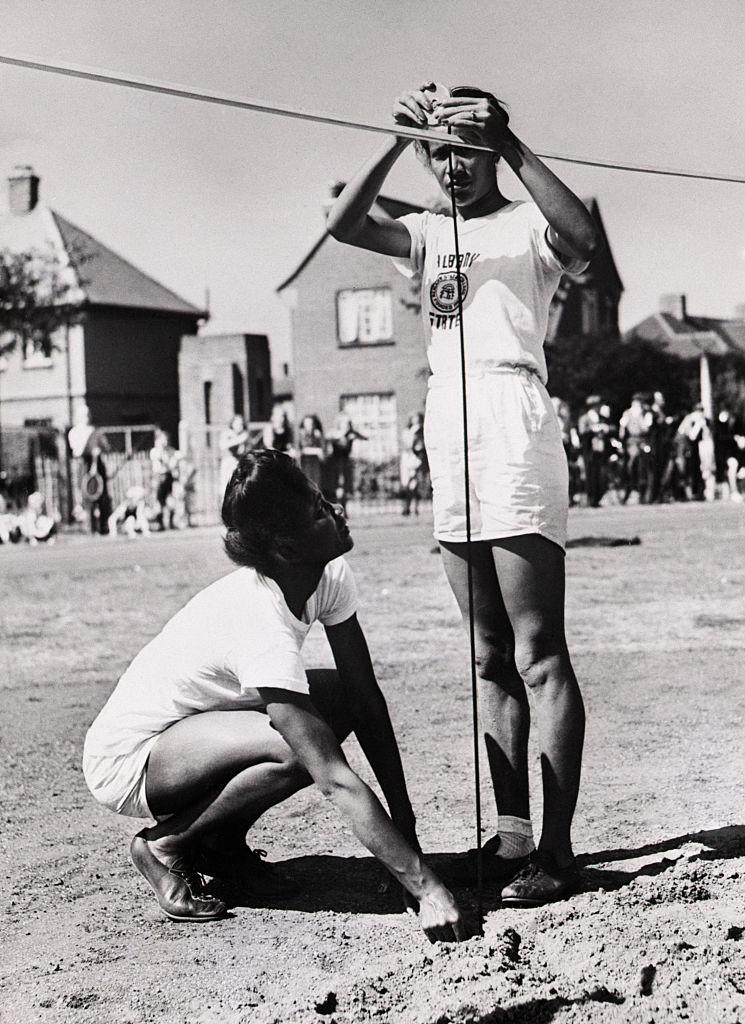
(658, 934)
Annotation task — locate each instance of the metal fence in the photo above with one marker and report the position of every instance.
(37, 459)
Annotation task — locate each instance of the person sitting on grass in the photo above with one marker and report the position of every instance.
(216, 719)
(131, 514)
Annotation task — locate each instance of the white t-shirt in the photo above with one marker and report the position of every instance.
(232, 637)
(509, 274)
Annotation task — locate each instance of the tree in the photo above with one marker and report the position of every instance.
(615, 369)
(38, 295)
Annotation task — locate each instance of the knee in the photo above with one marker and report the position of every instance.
(494, 658)
(538, 670)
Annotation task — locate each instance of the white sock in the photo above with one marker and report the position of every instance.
(515, 836)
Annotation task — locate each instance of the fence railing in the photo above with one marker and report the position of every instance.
(42, 463)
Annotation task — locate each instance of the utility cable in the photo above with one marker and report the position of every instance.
(222, 99)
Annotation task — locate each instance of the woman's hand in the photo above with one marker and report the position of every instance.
(476, 113)
(418, 108)
(440, 918)
(412, 108)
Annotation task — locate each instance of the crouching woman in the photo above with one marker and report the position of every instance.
(216, 719)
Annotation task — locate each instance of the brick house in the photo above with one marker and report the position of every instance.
(357, 338)
(121, 358)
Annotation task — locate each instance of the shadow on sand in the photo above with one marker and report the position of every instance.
(359, 885)
(718, 844)
(539, 1011)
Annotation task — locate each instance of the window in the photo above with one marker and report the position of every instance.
(374, 416)
(364, 316)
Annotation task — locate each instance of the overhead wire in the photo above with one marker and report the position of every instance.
(223, 99)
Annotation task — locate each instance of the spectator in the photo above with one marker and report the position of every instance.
(95, 483)
(594, 431)
(184, 487)
(162, 463)
(34, 523)
(413, 463)
(77, 439)
(572, 449)
(277, 433)
(312, 448)
(633, 431)
(660, 442)
(674, 485)
(131, 514)
(691, 432)
(339, 466)
(727, 453)
(233, 443)
(10, 532)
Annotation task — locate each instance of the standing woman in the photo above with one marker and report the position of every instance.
(233, 443)
(311, 445)
(512, 257)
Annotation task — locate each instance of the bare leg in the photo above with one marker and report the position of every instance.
(217, 772)
(531, 574)
(504, 710)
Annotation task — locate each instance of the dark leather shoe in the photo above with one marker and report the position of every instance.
(179, 890)
(540, 882)
(246, 874)
(496, 870)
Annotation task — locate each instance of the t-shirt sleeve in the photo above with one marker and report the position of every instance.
(416, 225)
(337, 593)
(280, 666)
(266, 652)
(549, 256)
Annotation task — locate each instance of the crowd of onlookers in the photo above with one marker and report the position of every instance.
(650, 456)
(644, 455)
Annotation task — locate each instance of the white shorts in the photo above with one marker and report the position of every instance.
(118, 781)
(519, 481)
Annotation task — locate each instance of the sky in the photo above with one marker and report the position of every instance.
(209, 198)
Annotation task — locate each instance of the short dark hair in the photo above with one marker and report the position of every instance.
(421, 148)
(265, 501)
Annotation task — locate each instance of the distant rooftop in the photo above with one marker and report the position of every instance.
(109, 280)
(104, 278)
(673, 329)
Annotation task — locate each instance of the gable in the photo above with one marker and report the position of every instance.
(107, 279)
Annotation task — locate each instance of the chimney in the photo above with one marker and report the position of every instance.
(740, 312)
(674, 305)
(23, 190)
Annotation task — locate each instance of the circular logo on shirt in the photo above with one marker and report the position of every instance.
(443, 293)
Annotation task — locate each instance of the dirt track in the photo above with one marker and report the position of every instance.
(657, 633)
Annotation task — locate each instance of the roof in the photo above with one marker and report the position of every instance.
(107, 279)
(691, 337)
(603, 263)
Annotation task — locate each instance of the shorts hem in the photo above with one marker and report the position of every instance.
(462, 537)
(132, 803)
